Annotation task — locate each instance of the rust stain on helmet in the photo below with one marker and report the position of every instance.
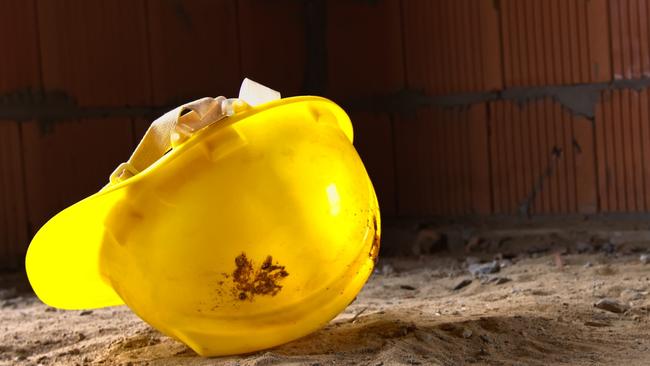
(250, 281)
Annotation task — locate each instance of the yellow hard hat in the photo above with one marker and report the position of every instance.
(237, 225)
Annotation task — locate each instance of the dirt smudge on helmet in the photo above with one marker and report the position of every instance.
(250, 281)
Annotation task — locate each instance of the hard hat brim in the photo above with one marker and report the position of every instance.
(62, 261)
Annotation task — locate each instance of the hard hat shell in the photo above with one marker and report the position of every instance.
(256, 231)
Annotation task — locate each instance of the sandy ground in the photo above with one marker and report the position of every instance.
(534, 311)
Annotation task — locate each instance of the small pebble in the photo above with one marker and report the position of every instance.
(387, 270)
(611, 305)
(505, 263)
(644, 258)
(8, 293)
(86, 312)
(473, 243)
(587, 265)
(407, 287)
(467, 333)
(501, 280)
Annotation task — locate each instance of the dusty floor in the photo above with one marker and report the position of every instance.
(537, 310)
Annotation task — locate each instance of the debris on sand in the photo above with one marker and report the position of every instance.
(590, 323)
(495, 280)
(407, 287)
(503, 263)
(478, 270)
(633, 295)
(428, 241)
(357, 315)
(464, 283)
(612, 306)
(608, 248)
(583, 247)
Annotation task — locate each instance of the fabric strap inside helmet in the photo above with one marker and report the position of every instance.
(176, 125)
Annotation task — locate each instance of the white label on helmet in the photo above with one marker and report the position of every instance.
(255, 93)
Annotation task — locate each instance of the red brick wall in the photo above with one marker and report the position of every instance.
(394, 64)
